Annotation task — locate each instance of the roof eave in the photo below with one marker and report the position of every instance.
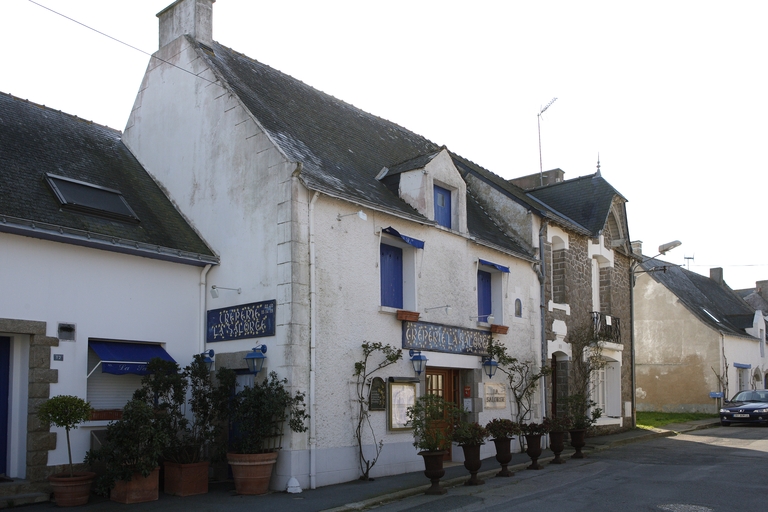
(51, 232)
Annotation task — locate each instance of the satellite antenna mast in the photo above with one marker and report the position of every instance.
(538, 124)
(688, 260)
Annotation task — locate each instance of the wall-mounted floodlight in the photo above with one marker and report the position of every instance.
(208, 358)
(255, 359)
(215, 290)
(665, 248)
(447, 309)
(488, 318)
(360, 214)
(418, 360)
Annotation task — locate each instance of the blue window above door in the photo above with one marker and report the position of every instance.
(442, 206)
(391, 267)
(484, 306)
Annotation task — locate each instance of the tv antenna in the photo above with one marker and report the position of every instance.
(538, 124)
(688, 260)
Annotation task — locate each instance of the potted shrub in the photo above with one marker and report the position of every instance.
(558, 427)
(583, 414)
(191, 437)
(470, 435)
(533, 432)
(69, 489)
(258, 414)
(130, 455)
(502, 430)
(428, 417)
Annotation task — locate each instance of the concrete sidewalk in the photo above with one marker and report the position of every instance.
(357, 495)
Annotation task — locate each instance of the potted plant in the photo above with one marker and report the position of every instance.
(428, 417)
(191, 437)
(258, 414)
(502, 430)
(558, 427)
(69, 489)
(470, 435)
(134, 444)
(583, 414)
(533, 432)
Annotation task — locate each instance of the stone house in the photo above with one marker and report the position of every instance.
(93, 253)
(694, 336)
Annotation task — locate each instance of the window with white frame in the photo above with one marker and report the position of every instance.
(397, 269)
(491, 279)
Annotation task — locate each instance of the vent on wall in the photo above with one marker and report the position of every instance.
(67, 332)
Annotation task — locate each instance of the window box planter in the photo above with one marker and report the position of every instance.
(499, 329)
(409, 316)
(106, 414)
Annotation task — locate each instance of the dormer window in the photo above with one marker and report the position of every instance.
(443, 206)
(87, 198)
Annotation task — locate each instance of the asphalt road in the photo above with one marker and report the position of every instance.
(718, 469)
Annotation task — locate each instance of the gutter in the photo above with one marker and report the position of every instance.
(203, 287)
(542, 274)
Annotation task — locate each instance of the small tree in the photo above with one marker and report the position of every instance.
(364, 373)
(65, 411)
(586, 359)
(522, 377)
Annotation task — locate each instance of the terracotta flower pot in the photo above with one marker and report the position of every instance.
(503, 455)
(472, 462)
(252, 471)
(557, 445)
(186, 479)
(433, 469)
(577, 441)
(138, 489)
(70, 491)
(533, 443)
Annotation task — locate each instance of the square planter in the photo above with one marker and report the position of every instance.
(409, 316)
(185, 479)
(138, 489)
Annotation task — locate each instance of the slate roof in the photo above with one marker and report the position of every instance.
(701, 294)
(342, 148)
(585, 200)
(754, 299)
(35, 140)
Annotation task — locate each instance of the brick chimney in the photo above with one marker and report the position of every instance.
(762, 289)
(192, 17)
(716, 274)
(637, 247)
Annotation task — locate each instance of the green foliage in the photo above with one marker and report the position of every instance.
(659, 419)
(581, 411)
(429, 417)
(500, 428)
(562, 423)
(363, 373)
(65, 411)
(522, 377)
(533, 428)
(586, 358)
(134, 444)
(469, 433)
(260, 412)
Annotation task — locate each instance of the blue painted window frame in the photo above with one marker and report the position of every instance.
(484, 304)
(391, 271)
(442, 206)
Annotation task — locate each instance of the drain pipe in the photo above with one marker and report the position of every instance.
(543, 309)
(312, 346)
(203, 287)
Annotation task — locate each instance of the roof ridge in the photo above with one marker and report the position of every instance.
(72, 116)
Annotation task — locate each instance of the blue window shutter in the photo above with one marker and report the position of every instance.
(483, 295)
(391, 267)
(442, 206)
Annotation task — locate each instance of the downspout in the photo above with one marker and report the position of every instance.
(633, 398)
(203, 287)
(543, 311)
(312, 346)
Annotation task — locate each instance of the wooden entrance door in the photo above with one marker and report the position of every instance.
(444, 382)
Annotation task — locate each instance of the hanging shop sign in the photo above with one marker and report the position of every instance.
(445, 338)
(254, 320)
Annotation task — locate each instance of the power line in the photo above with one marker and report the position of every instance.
(124, 43)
